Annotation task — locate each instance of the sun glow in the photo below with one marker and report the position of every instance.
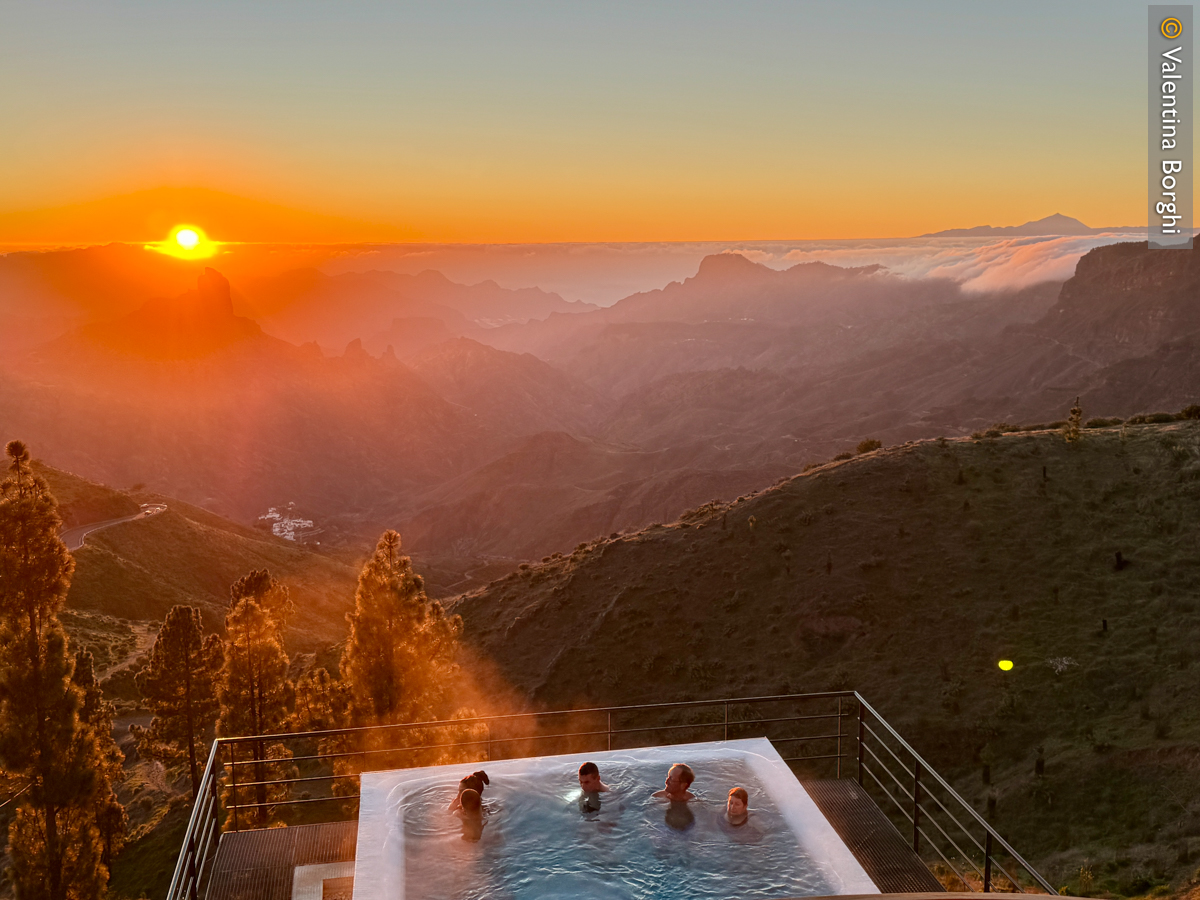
(186, 242)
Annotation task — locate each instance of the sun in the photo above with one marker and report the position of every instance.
(186, 242)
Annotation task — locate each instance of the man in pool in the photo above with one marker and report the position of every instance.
(589, 779)
(590, 787)
(737, 807)
(679, 778)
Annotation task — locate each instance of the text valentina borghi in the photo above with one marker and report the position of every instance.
(1171, 74)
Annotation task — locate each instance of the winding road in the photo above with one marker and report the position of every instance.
(73, 537)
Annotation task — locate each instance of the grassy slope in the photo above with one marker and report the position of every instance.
(892, 574)
(141, 569)
(138, 570)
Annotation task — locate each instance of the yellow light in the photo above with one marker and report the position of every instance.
(186, 242)
(1005, 664)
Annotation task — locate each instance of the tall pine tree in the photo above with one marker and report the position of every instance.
(178, 684)
(401, 652)
(253, 688)
(54, 840)
(96, 714)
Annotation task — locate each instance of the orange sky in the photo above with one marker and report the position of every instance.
(525, 122)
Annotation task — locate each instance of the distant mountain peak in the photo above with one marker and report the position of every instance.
(1056, 224)
(196, 323)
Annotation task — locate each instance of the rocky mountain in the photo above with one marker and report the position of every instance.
(554, 490)
(192, 400)
(509, 392)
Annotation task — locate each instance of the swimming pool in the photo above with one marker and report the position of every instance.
(538, 843)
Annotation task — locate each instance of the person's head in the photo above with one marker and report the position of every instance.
(589, 778)
(737, 804)
(474, 782)
(472, 803)
(679, 778)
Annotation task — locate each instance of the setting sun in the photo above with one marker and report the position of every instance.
(186, 242)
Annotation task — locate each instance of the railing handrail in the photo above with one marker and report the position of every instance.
(444, 723)
(189, 833)
(929, 770)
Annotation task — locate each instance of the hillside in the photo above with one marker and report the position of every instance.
(127, 577)
(906, 573)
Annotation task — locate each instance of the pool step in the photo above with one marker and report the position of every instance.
(879, 848)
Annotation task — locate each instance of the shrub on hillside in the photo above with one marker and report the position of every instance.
(844, 455)
(1190, 412)
(1102, 423)
(1045, 426)
(868, 445)
(1151, 418)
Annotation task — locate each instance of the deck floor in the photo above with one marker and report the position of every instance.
(888, 859)
(260, 864)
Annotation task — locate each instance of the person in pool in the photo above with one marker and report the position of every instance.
(737, 807)
(679, 778)
(473, 782)
(470, 810)
(591, 787)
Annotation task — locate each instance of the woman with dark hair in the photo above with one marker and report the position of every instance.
(473, 782)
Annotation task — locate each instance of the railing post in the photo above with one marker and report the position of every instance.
(726, 720)
(916, 808)
(987, 864)
(233, 781)
(610, 730)
(216, 802)
(862, 740)
(839, 738)
(191, 867)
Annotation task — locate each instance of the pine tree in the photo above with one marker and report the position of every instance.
(253, 688)
(1074, 425)
(96, 714)
(321, 702)
(178, 684)
(402, 647)
(54, 842)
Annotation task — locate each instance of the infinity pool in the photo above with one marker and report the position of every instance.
(540, 843)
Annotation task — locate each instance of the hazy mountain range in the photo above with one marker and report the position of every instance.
(511, 422)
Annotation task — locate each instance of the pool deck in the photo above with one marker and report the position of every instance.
(888, 859)
(304, 862)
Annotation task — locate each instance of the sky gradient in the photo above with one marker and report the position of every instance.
(564, 121)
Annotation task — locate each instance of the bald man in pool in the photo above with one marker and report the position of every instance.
(679, 778)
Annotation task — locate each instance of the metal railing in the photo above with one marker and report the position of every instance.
(299, 778)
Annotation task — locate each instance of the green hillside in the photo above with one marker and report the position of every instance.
(907, 573)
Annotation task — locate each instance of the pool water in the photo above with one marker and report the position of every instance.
(633, 846)
(539, 841)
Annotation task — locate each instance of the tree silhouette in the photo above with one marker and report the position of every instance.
(178, 684)
(253, 689)
(401, 646)
(96, 714)
(54, 840)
